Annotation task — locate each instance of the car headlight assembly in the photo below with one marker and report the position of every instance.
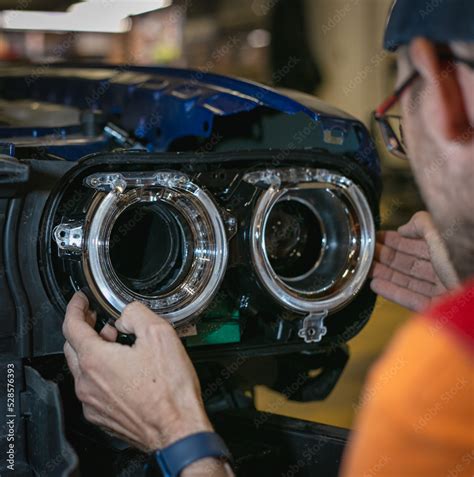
(157, 238)
(281, 247)
(312, 240)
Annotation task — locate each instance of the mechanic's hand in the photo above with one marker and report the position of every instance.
(412, 266)
(147, 394)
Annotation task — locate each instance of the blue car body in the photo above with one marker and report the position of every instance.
(161, 105)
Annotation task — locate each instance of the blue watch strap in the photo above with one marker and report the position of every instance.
(174, 458)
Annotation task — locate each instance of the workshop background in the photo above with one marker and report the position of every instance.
(329, 48)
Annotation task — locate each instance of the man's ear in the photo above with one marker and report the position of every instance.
(443, 98)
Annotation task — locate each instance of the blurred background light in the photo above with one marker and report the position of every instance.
(118, 8)
(259, 38)
(105, 16)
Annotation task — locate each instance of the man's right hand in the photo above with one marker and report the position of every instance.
(148, 394)
(412, 265)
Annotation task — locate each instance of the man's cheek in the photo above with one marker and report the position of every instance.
(409, 124)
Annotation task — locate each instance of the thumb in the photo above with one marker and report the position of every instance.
(418, 227)
(137, 318)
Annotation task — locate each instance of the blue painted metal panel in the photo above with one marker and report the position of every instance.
(159, 105)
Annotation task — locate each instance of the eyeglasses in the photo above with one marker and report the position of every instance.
(390, 126)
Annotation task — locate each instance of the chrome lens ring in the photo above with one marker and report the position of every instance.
(209, 251)
(358, 250)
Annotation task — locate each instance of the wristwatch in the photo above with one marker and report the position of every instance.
(172, 460)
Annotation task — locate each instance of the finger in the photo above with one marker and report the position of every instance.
(406, 298)
(91, 318)
(379, 270)
(418, 226)
(72, 360)
(109, 333)
(441, 259)
(407, 264)
(415, 247)
(76, 328)
(406, 281)
(421, 225)
(137, 318)
(373, 269)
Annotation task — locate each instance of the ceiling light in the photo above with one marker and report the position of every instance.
(119, 8)
(105, 16)
(60, 21)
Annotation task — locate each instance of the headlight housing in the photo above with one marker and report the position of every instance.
(184, 233)
(285, 248)
(312, 240)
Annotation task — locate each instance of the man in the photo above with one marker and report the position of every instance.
(417, 416)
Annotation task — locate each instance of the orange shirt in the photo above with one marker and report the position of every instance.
(417, 416)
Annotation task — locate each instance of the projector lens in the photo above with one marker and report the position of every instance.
(150, 248)
(294, 238)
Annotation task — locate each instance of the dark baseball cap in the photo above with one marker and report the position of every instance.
(441, 21)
